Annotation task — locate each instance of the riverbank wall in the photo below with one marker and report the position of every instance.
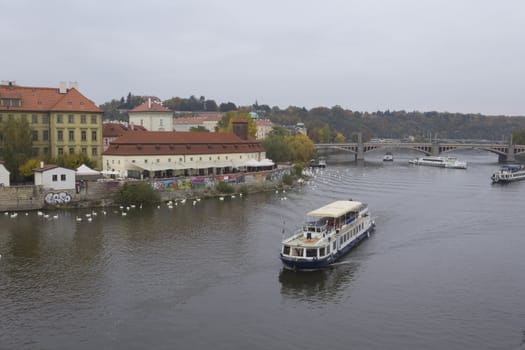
(100, 193)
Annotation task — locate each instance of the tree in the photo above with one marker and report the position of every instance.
(73, 161)
(301, 148)
(26, 169)
(226, 107)
(518, 137)
(225, 124)
(199, 128)
(17, 145)
(276, 148)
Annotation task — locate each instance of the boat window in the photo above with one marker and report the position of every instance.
(334, 245)
(286, 250)
(321, 251)
(297, 252)
(328, 249)
(311, 253)
(341, 241)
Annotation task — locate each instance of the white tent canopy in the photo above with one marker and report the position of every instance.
(85, 170)
(252, 163)
(266, 162)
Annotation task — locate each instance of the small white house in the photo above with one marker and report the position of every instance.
(4, 175)
(55, 177)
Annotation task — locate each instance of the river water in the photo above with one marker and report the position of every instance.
(444, 270)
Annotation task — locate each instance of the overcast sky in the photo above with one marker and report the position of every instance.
(446, 55)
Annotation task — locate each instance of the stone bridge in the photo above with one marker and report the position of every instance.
(505, 152)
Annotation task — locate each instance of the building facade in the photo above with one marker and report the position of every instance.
(152, 115)
(4, 175)
(148, 154)
(55, 177)
(62, 120)
(111, 131)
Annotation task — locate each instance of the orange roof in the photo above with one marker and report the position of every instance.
(189, 120)
(46, 99)
(178, 142)
(150, 106)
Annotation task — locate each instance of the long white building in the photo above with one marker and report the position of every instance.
(148, 154)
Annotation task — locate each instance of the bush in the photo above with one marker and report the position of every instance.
(288, 179)
(136, 193)
(223, 187)
(243, 190)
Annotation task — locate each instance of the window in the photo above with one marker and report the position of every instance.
(45, 119)
(60, 135)
(55, 178)
(60, 151)
(24, 117)
(142, 122)
(63, 177)
(145, 160)
(94, 151)
(83, 135)
(191, 159)
(82, 119)
(35, 135)
(46, 150)
(34, 119)
(45, 135)
(71, 150)
(93, 119)
(34, 151)
(71, 119)
(158, 160)
(94, 135)
(60, 118)
(84, 150)
(71, 135)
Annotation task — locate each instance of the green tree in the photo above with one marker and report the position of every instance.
(518, 137)
(17, 145)
(276, 148)
(199, 128)
(136, 193)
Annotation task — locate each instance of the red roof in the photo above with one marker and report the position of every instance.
(45, 168)
(46, 99)
(117, 129)
(178, 142)
(150, 106)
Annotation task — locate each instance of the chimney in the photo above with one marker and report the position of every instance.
(62, 87)
(240, 128)
(73, 84)
(41, 164)
(149, 102)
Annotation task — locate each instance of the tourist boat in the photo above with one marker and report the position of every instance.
(328, 233)
(388, 157)
(509, 173)
(441, 162)
(318, 163)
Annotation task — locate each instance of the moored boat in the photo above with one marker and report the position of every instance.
(388, 157)
(509, 173)
(318, 163)
(328, 234)
(440, 162)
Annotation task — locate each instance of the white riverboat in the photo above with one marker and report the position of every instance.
(388, 157)
(509, 173)
(318, 163)
(440, 162)
(328, 233)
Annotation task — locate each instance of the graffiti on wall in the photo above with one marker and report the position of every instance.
(193, 183)
(57, 198)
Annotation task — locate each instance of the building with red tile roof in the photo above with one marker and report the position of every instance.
(164, 154)
(62, 120)
(111, 131)
(152, 115)
(184, 121)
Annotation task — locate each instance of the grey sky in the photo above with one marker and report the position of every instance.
(368, 55)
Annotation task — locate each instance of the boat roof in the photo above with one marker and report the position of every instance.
(336, 209)
(511, 166)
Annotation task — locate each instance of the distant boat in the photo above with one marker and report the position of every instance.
(440, 162)
(509, 173)
(318, 163)
(388, 157)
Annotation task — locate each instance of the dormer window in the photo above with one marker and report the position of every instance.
(11, 102)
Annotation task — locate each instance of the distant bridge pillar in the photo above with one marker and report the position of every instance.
(435, 149)
(510, 154)
(360, 147)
